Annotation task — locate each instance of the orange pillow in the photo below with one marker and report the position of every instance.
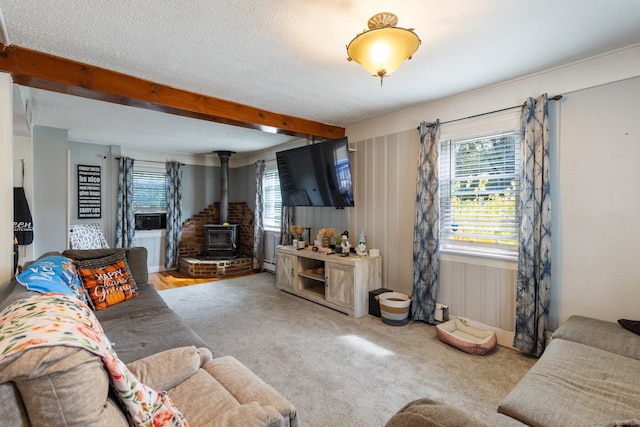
(107, 280)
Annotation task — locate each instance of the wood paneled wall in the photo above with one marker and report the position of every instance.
(385, 173)
(483, 293)
(321, 217)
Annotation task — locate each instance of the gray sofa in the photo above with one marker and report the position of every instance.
(589, 375)
(67, 386)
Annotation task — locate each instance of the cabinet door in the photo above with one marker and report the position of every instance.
(339, 282)
(285, 270)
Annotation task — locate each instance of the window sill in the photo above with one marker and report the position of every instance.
(151, 233)
(498, 259)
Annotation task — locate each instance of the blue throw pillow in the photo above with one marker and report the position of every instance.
(53, 273)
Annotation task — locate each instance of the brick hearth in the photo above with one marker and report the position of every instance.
(199, 268)
(193, 262)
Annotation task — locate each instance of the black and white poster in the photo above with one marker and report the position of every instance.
(89, 191)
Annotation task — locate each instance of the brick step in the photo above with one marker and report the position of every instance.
(202, 267)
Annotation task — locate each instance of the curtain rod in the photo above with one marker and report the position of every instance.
(150, 161)
(553, 98)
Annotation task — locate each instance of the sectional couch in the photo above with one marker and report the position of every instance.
(68, 386)
(589, 375)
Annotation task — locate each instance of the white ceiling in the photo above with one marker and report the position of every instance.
(289, 57)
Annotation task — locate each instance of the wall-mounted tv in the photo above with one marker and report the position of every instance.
(316, 175)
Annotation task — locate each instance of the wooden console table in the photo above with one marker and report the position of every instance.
(341, 283)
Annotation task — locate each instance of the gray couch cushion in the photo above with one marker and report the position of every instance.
(60, 386)
(246, 387)
(145, 325)
(148, 300)
(193, 397)
(145, 333)
(500, 420)
(576, 385)
(16, 293)
(600, 334)
(12, 410)
(162, 371)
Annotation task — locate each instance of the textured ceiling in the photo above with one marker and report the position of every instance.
(289, 57)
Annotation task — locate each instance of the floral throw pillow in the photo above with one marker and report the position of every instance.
(107, 280)
(53, 273)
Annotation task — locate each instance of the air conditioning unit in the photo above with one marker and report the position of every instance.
(151, 221)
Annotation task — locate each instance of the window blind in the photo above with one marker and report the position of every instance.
(272, 211)
(479, 192)
(149, 191)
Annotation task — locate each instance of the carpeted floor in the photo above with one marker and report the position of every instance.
(336, 370)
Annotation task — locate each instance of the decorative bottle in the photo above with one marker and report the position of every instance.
(361, 249)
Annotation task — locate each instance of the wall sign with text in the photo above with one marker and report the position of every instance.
(89, 191)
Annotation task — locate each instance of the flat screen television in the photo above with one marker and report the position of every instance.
(316, 175)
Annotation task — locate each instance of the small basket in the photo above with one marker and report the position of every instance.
(394, 308)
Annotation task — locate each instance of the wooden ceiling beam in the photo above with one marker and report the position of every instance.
(44, 71)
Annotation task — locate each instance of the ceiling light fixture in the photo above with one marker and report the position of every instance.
(383, 47)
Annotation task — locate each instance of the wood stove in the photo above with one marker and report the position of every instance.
(222, 241)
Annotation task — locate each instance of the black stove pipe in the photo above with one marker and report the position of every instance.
(224, 185)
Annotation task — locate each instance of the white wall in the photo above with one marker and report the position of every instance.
(50, 190)
(23, 156)
(599, 203)
(614, 66)
(582, 232)
(200, 188)
(6, 181)
(384, 174)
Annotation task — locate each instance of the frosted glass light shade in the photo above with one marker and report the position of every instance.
(381, 50)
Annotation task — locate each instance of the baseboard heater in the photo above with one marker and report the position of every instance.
(269, 265)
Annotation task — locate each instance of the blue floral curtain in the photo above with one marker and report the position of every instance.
(125, 218)
(258, 226)
(426, 241)
(534, 255)
(174, 214)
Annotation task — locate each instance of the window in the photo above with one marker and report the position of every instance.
(479, 193)
(343, 171)
(272, 211)
(149, 188)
